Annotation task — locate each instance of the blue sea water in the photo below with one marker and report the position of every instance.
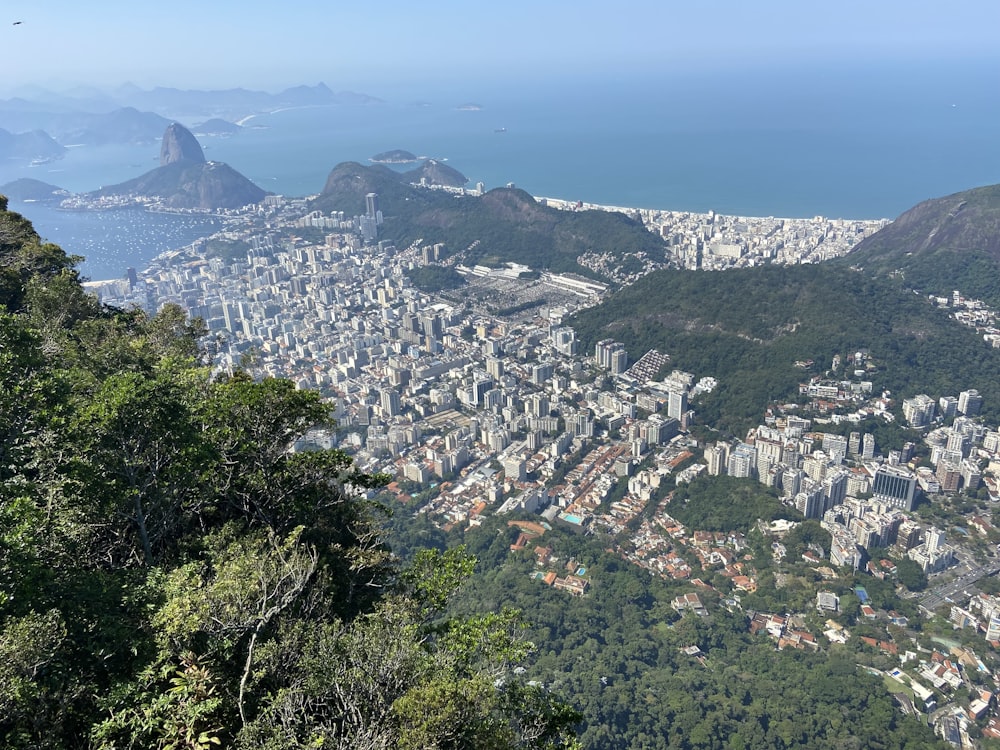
(112, 241)
(854, 143)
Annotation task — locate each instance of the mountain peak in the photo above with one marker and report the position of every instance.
(179, 144)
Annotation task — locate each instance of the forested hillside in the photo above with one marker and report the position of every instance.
(174, 575)
(504, 225)
(748, 328)
(941, 245)
(645, 676)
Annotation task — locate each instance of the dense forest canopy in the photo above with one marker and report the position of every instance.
(173, 575)
(725, 503)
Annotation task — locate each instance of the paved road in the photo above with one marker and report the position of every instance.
(943, 593)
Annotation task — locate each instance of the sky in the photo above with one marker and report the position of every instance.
(387, 45)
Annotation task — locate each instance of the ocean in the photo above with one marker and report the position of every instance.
(842, 143)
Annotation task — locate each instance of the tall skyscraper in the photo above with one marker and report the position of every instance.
(742, 461)
(372, 209)
(835, 488)
(854, 444)
(934, 539)
(948, 406)
(809, 502)
(717, 456)
(619, 361)
(390, 402)
(677, 404)
(868, 447)
(919, 410)
(611, 355)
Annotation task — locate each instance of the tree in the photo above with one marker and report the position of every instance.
(177, 571)
(137, 438)
(910, 574)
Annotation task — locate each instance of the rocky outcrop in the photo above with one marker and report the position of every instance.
(185, 180)
(179, 144)
(941, 245)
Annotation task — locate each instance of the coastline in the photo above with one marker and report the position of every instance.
(242, 122)
(569, 205)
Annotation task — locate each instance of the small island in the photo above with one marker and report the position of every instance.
(27, 190)
(217, 126)
(396, 156)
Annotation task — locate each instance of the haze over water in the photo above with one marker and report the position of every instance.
(797, 143)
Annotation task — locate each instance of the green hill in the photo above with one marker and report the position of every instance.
(504, 225)
(188, 184)
(748, 327)
(941, 245)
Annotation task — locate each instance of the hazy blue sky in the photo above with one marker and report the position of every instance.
(386, 44)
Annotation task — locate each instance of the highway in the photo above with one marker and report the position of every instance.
(945, 592)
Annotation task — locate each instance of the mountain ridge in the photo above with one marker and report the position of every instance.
(503, 225)
(940, 245)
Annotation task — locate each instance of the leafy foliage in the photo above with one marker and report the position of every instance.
(619, 651)
(726, 503)
(174, 574)
(435, 278)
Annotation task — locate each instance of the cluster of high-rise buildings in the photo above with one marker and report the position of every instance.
(824, 474)
(712, 241)
(434, 391)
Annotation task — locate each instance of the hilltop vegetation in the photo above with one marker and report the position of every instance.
(748, 327)
(941, 245)
(504, 225)
(174, 575)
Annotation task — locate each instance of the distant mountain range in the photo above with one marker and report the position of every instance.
(234, 103)
(134, 115)
(941, 245)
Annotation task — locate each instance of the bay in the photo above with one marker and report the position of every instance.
(114, 240)
(845, 142)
